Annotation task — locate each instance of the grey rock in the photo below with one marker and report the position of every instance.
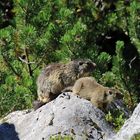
(118, 105)
(66, 115)
(131, 127)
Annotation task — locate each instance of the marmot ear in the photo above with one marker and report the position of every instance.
(107, 93)
(94, 65)
(110, 92)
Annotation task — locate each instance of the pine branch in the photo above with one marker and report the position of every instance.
(25, 61)
(28, 62)
(9, 65)
(6, 59)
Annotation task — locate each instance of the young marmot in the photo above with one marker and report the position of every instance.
(57, 76)
(100, 96)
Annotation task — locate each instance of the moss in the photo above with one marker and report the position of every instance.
(136, 137)
(59, 137)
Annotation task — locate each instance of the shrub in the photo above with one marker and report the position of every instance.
(51, 31)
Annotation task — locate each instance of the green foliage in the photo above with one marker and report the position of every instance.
(103, 59)
(72, 41)
(116, 119)
(134, 28)
(52, 31)
(136, 137)
(109, 79)
(59, 137)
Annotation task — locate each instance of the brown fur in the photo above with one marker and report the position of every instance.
(57, 76)
(100, 96)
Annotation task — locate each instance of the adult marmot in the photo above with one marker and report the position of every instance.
(100, 96)
(57, 76)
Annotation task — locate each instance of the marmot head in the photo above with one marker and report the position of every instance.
(118, 94)
(110, 94)
(84, 67)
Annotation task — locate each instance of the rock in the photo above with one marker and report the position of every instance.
(118, 105)
(131, 127)
(66, 115)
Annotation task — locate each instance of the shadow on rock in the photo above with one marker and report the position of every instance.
(8, 132)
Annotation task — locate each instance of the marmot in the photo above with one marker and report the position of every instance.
(57, 76)
(100, 96)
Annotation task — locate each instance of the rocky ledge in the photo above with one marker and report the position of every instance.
(67, 115)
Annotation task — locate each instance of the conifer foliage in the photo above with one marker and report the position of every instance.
(34, 33)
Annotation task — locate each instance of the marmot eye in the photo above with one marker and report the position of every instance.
(88, 63)
(81, 63)
(110, 92)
